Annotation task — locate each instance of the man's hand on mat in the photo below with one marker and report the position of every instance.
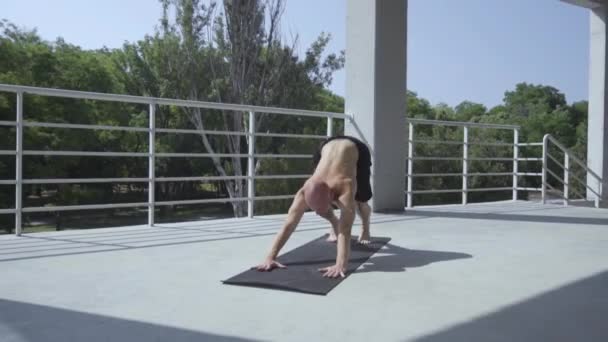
(269, 265)
(334, 271)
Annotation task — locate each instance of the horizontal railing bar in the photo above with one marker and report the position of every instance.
(268, 198)
(529, 159)
(480, 143)
(286, 156)
(530, 144)
(572, 157)
(229, 155)
(201, 179)
(531, 174)
(289, 135)
(220, 178)
(203, 201)
(7, 153)
(281, 177)
(460, 158)
(476, 174)
(460, 124)
(86, 154)
(8, 123)
(458, 190)
(84, 207)
(529, 189)
(80, 126)
(561, 180)
(561, 192)
(556, 190)
(576, 178)
(160, 155)
(7, 211)
(8, 182)
(491, 159)
(576, 192)
(198, 131)
(434, 191)
(84, 180)
(556, 161)
(201, 155)
(490, 189)
(482, 174)
(436, 175)
(438, 142)
(163, 101)
(434, 158)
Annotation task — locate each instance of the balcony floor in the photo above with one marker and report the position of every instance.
(485, 272)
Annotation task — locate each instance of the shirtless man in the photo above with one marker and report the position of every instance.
(342, 178)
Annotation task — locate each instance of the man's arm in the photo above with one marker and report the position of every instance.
(296, 211)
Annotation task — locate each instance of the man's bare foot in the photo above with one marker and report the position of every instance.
(364, 238)
(332, 237)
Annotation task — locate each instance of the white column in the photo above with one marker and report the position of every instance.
(376, 92)
(597, 146)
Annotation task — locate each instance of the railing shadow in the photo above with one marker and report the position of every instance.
(54, 245)
(510, 217)
(575, 312)
(23, 322)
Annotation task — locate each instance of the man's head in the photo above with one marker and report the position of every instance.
(318, 196)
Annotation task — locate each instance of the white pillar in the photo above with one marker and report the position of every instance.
(597, 146)
(376, 38)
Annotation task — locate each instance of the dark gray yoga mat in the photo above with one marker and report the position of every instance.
(301, 274)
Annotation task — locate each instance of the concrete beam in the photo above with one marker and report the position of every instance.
(597, 146)
(591, 4)
(376, 38)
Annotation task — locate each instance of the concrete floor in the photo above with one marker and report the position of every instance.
(486, 272)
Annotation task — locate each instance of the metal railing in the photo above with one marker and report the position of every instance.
(20, 152)
(544, 158)
(568, 174)
(465, 158)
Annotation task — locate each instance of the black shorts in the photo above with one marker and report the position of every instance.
(364, 163)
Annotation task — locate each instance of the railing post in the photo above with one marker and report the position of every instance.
(597, 196)
(251, 166)
(515, 162)
(19, 165)
(410, 164)
(330, 126)
(566, 177)
(465, 166)
(600, 192)
(151, 164)
(544, 171)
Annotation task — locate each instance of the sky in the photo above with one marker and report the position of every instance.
(461, 50)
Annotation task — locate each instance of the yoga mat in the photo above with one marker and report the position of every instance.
(301, 274)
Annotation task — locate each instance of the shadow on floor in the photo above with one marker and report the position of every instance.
(511, 217)
(394, 258)
(35, 246)
(575, 312)
(23, 322)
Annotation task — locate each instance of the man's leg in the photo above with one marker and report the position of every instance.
(364, 211)
(333, 232)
